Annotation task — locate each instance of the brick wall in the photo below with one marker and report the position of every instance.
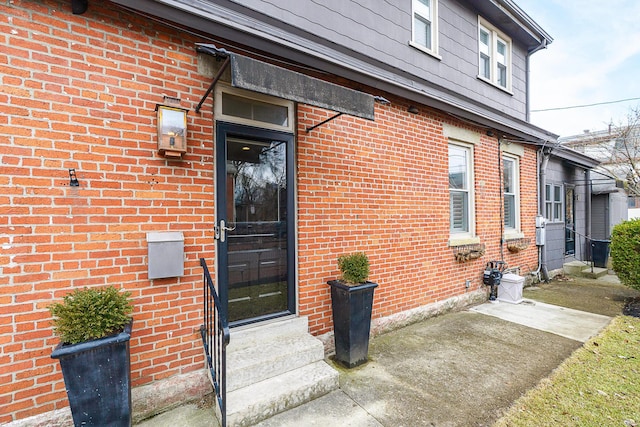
(80, 91)
(382, 187)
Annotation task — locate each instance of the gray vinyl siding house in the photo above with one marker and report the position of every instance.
(567, 175)
(344, 22)
(577, 216)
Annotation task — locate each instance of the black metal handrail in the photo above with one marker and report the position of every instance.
(215, 337)
(589, 249)
(579, 243)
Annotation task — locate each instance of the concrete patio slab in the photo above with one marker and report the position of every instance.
(185, 415)
(566, 322)
(335, 408)
(456, 370)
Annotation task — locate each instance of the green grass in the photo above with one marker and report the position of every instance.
(599, 385)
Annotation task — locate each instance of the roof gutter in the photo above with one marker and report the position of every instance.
(511, 9)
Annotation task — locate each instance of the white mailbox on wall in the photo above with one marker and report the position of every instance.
(165, 254)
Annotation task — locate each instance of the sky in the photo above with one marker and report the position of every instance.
(594, 58)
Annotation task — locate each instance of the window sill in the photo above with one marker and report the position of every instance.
(497, 86)
(425, 50)
(512, 235)
(463, 240)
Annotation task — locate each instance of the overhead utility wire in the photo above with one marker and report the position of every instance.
(585, 105)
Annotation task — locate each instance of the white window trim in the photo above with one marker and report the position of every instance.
(469, 237)
(553, 203)
(225, 88)
(515, 232)
(494, 35)
(433, 19)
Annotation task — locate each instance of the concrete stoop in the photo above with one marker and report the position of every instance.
(596, 273)
(583, 269)
(272, 368)
(574, 268)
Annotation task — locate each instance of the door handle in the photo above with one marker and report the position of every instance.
(221, 230)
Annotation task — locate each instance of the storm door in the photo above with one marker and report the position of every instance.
(569, 221)
(255, 224)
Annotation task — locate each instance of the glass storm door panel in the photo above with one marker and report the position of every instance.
(255, 223)
(570, 235)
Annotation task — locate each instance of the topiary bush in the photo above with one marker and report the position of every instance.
(354, 267)
(89, 313)
(625, 252)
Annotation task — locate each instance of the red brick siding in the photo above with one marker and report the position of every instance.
(80, 92)
(527, 260)
(382, 187)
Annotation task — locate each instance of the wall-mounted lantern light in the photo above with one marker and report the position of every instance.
(172, 130)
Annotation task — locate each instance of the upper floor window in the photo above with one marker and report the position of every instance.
(494, 55)
(460, 184)
(553, 202)
(425, 25)
(510, 177)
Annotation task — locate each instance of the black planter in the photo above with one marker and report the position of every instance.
(97, 376)
(351, 321)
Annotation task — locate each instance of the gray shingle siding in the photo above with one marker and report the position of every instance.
(562, 173)
(381, 30)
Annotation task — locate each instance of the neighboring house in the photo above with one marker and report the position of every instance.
(397, 128)
(633, 210)
(567, 204)
(610, 203)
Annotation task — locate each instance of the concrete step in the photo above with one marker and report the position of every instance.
(583, 269)
(271, 357)
(595, 274)
(574, 268)
(252, 335)
(252, 404)
(273, 367)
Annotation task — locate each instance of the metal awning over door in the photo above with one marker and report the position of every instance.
(258, 76)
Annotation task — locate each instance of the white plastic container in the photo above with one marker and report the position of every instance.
(510, 289)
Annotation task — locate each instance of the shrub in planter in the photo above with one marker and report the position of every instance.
(352, 303)
(625, 252)
(94, 326)
(89, 314)
(354, 268)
